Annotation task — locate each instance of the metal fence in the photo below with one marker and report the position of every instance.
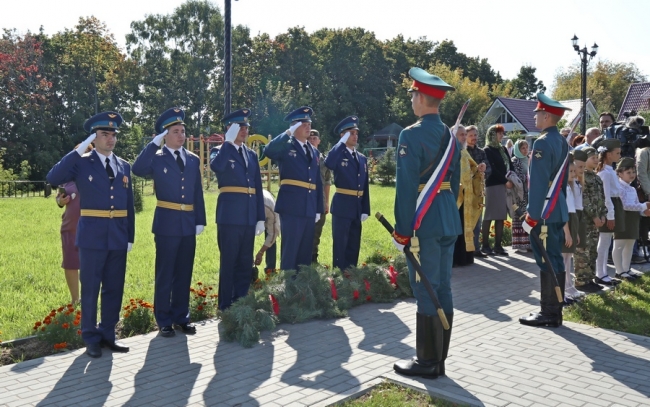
(24, 189)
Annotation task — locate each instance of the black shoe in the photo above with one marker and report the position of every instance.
(187, 328)
(115, 346)
(590, 287)
(487, 251)
(478, 253)
(93, 350)
(553, 319)
(610, 283)
(625, 276)
(500, 251)
(167, 331)
(429, 345)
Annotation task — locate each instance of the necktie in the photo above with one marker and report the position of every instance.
(109, 170)
(354, 155)
(179, 161)
(307, 152)
(241, 153)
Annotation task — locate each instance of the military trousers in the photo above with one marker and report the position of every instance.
(318, 231)
(346, 237)
(585, 258)
(174, 265)
(297, 241)
(105, 270)
(554, 244)
(236, 245)
(436, 258)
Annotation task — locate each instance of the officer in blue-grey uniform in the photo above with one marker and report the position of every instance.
(421, 150)
(300, 199)
(178, 219)
(351, 202)
(240, 208)
(548, 160)
(106, 227)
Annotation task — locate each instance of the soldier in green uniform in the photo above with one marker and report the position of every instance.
(593, 216)
(427, 148)
(547, 210)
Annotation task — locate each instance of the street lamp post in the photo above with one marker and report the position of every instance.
(227, 46)
(585, 57)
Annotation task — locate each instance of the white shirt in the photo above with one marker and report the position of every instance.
(630, 199)
(112, 160)
(172, 151)
(612, 188)
(570, 200)
(577, 196)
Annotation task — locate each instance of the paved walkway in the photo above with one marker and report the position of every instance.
(493, 360)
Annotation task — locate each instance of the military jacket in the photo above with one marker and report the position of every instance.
(97, 192)
(420, 149)
(593, 196)
(234, 208)
(295, 165)
(352, 176)
(173, 186)
(549, 152)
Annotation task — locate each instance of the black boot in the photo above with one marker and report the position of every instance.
(551, 308)
(446, 337)
(429, 347)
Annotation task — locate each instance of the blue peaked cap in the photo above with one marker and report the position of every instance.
(350, 122)
(302, 114)
(238, 116)
(170, 117)
(103, 121)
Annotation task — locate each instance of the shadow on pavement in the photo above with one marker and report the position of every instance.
(167, 372)
(83, 374)
(384, 332)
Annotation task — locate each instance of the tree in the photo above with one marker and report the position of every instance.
(526, 85)
(607, 84)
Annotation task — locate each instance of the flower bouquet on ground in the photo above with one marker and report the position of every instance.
(203, 302)
(138, 318)
(61, 328)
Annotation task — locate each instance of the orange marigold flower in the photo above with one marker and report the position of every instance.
(75, 322)
(200, 307)
(43, 329)
(60, 309)
(65, 325)
(126, 307)
(78, 331)
(126, 315)
(38, 323)
(191, 289)
(205, 303)
(199, 283)
(210, 288)
(47, 320)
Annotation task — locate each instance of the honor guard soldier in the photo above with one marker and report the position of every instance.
(351, 202)
(547, 210)
(106, 227)
(240, 208)
(427, 185)
(178, 219)
(300, 199)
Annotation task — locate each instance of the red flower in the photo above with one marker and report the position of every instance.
(368, 298)
(60, 309)
(65, 325)
(335, 295)
(200, 307)
(78, 331)
(355, 294)
(275, 304)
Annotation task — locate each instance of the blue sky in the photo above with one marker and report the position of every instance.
(510, 33)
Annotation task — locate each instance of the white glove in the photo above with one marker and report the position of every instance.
(400, 247)
(345, 138)
(129, 247)
(317, 217)
(259, 228)
(81, 150)
(158, 139)
(293, 128)
(199, 229)
(364, 216)
(232, 132)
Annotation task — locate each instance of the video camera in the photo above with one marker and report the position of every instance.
(628, 132)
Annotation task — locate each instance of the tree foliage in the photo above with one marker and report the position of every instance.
(526, 85)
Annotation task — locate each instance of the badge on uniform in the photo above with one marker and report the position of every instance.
(232, 164)
(125, 181)
(344, 163)
(165, 170)
(292, 153)
(537, 154)
(402, 150)
(90, 178)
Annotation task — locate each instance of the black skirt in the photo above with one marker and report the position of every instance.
(619, 218)
(632, 220)
(582, 229)
(573, 229)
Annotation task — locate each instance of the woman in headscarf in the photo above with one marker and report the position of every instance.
(469, 206)
(496, 208)
(520, 239)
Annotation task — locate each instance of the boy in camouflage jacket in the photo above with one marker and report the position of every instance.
(593, 216)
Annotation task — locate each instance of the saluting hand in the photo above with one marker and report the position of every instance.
(345, 138)
(81, 150)
(158, 139)
(293, 128)
(232, 132)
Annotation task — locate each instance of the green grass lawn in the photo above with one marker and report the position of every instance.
(626, 309)
(32, 281)
(392, 395)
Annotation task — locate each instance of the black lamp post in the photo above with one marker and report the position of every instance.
(227, 46)
(585, 57)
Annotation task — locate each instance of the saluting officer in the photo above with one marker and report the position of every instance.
(300, 199)
(547, 208)
(240, 208)
(178, 219)
(427, 149)
(106, 227)
(351, 202)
